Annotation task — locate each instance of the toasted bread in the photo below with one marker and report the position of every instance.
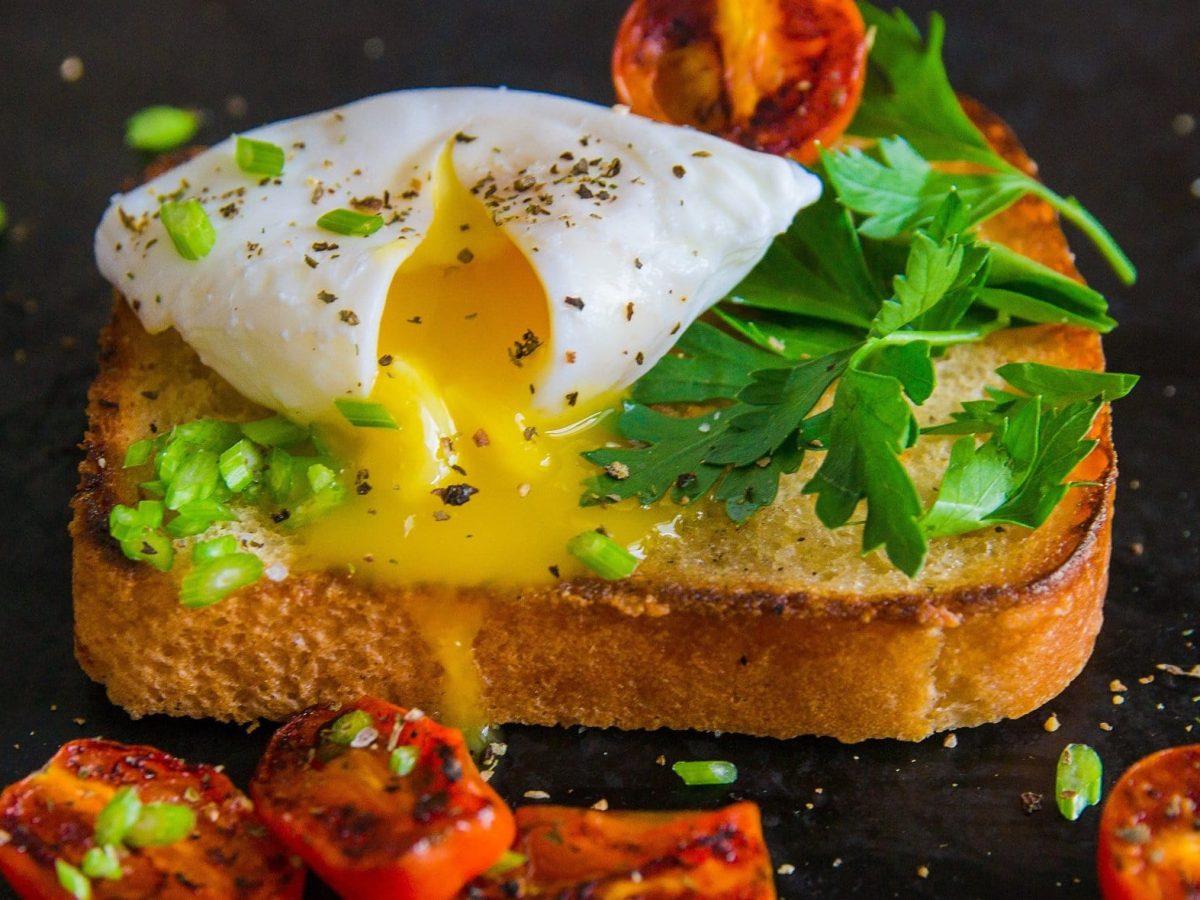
(779, 627)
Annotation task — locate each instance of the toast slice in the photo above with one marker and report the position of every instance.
(776, 628)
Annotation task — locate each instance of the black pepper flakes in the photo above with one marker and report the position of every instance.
(349, 316)
(678, 171)
(576, 302)
(280, 517)
(310, 262)
(322, 246)
(455, 494)
(572, 398)
(461, 138)
(640, 358)
(554, 571)
(529, 433)
(387, 359)
(326, 296)
(524, 348)
(629, 311)
(465, 255)
(1031, 802)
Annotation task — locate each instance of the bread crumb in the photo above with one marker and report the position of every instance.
(809, 806)
(253, 726)
(1117, 699)
(1052, 723)
(1031, 802)
(70, 70)
(601, 805)
(819, 790)
(1147, 680)
(785, 869)
(79, 721)
(951, 741)
(1137, 548)
(536, 795)
(1104, 726)
(1183, 124)
(661, 760)
(837, 863)
(922, 871)
(1117, 685)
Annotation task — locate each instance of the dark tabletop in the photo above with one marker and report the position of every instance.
(1101, 93)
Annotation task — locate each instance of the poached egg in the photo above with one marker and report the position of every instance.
(537, 255)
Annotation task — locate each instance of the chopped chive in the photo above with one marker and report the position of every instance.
(709, 771)
(402, 760)
(349, 222)
(602, 555)
(509, 861)
(139, 453)
(240, 465)
(259, 157)
(102, 862)
(196, 479)
(275, 431)
(72, 880)
(196, 516)
(213, 580)
(365, 414)
(346, 727)
(159, 128)
(189, 228)
(117, 816)
(1077, 783)
(203, 551)
(160, 824)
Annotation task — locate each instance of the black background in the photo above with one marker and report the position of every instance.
(1093, 88)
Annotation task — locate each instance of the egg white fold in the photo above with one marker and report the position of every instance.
(641, 225)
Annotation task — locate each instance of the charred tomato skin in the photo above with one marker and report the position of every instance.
(1149, 845)
(51, 815)
(584, 853)
(371, 833)
(781, 76)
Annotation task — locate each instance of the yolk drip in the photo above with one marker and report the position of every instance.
(477, 486)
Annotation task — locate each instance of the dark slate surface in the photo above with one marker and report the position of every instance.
(1094, 89)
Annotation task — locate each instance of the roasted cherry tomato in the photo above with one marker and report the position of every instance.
(1150, 829)
(775, 75)
(574, 853)
(380, 802)
(51, 816)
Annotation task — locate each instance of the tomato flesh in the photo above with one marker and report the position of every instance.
(371, 833)
(576, 853)
(783, 76)
(51, 815)
(1150, 829)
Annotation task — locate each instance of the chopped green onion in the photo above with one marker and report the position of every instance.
(259, 157)
(125, 522)
(320, 477)
(197, 516)
(280, 474)
(150, 546)
(602, 555)
(207, 434)
(509, 861)
(156, 488)
(72, 880)
(189, 228)
(203, 551)
(102, 862)
(345, 728)
(213, 580)
(709, 771)
(161, 824)
(1077, 784)
(139, 453)
(276, 431)
(240, 465)
(349, 222)
(159, 128)
(402, 760)
(365, 414)
(118, 816)
(196, 479)
(316, 505)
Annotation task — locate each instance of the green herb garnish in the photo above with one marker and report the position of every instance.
(102, 862)
(1077, 780)
(259, 157)
(72, 880)
(157, 129)
(854, 303)
(602, 555)
(117, 817)
(160, 824)
(402, 760)
(348, 726)
(365, 414)
(711, 771)
(189, 228)
(349, 222)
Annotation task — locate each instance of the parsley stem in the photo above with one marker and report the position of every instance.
(1075, 213)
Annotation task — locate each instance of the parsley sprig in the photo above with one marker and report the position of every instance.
(829, 343)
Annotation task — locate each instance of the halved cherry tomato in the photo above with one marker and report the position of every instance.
(575, 853)
(1150, 829)
(774, 75)
(51, 815)
(380, 802)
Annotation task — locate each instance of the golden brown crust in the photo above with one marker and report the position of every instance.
(753, 648)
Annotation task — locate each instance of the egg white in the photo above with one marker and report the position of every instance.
(642, 225)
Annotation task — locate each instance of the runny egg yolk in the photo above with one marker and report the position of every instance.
(476, 486)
